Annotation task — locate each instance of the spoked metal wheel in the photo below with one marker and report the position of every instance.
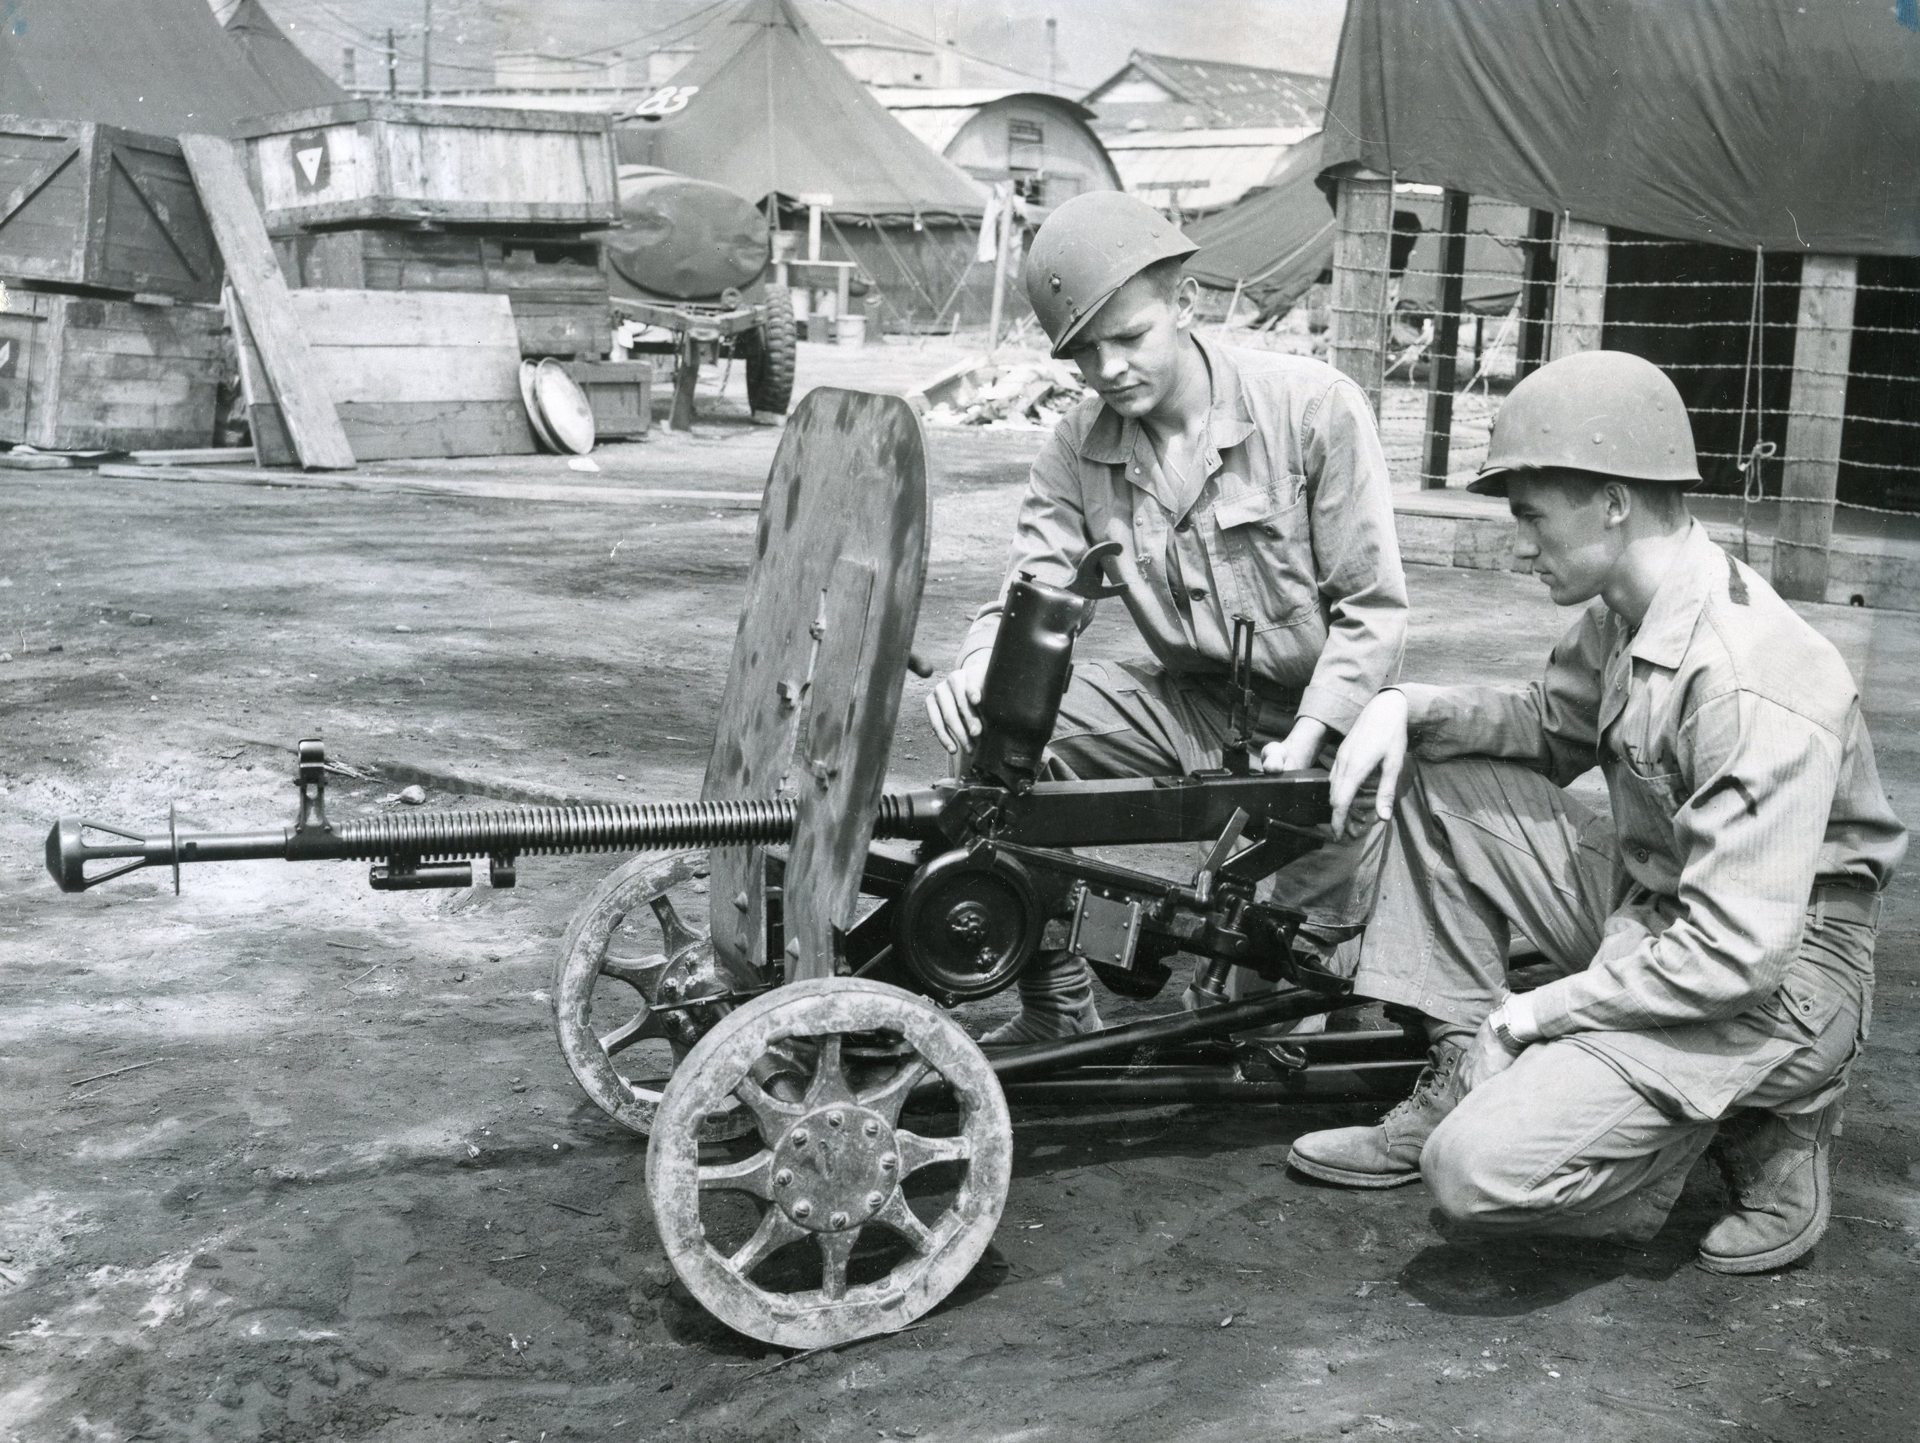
(635, 956)
(834, 1222)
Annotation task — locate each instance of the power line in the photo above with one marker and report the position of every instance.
(940, 45)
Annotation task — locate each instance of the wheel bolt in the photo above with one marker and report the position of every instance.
(803, 1209)
(889, 1162)
(783, 1178)
(872, 1129)
(798, 1137)
(873, 1202)
(837, 1220)
(834, 1119)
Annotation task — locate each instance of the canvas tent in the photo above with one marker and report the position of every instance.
(1769, 122)
(297, 83)
(767, 110)
(162, 66)
(1274, 242)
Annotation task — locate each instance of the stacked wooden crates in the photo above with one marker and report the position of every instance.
(110, 335)
(387, 195)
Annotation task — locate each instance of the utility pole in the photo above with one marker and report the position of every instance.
(1053, 51)
(393, 66)
(346, 67)
(426, 48)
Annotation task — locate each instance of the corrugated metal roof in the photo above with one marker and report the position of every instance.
(1213, 93)
(1200, 170)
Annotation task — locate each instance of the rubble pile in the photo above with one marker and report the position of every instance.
(1018, 396)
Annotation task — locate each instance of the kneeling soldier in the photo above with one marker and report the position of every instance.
(1236, 483)
(1714, 936)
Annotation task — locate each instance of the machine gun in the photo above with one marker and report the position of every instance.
(843, 918)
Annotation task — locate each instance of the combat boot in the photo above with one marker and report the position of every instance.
(1388, 1153)
(1056, 1001)
(1779, 1172)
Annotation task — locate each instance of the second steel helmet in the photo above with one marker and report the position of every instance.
(1604, 412)
(1089, 248)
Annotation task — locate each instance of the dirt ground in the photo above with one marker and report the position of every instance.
(286, 1158)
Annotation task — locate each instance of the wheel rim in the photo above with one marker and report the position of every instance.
(831, 1165)
(623, 1078)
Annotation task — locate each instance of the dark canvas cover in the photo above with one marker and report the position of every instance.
(161, 66)
(1784, 123)
(765, 107)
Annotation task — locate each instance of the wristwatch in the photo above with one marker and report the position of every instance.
(1502, 1030)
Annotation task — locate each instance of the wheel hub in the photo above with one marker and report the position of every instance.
(835, 1168)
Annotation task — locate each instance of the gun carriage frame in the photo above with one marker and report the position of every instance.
(798, 1027)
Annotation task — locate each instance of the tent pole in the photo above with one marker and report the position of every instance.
(1000, 239)
(1816, 416)
(1446, 343)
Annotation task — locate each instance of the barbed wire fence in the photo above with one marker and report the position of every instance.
(1725, 323)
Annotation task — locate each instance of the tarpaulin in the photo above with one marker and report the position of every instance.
(1783, 123)
(162, 66)
(1275, 240)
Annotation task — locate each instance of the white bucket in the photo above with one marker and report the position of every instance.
(850, 330)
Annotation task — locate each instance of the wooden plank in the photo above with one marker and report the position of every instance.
(620, 393)
(1816, 420)
(1361, 250)
(1580, 290)
(195, 456)
(242, 238)
(563, 494)
(396, 431)
(422, 318)
(27, 189)
(419, 374)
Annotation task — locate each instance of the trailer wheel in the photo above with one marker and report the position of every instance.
(635, 961)
(771, 350)
(835, 1222)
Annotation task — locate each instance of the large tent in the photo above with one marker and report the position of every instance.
(1275, 241)
(295, 80)
(767, 110)
(1768, 122)
(162, 66)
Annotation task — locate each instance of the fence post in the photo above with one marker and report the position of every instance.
(1536, 294)
(1580, 290)
(1816, 415)
(1363, 218)
(1446, 339)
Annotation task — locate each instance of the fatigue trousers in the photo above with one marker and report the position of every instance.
(1131, 719)
(1577, 1137)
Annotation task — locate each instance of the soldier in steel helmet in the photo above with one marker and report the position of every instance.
(1710, 936)
(1236, 483)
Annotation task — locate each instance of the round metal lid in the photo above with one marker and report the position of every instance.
(563, 406)
(527, 399)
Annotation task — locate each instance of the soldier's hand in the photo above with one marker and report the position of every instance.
(953, 706)
(1487, 1056)
(1375, 748)
(1298, 751)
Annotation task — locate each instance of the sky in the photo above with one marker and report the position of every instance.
(1005, 38)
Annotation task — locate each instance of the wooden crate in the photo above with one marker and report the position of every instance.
(386, 160)
(88, 373)
(414, 373)
(557, 284)
(621, 394)
(93, 205)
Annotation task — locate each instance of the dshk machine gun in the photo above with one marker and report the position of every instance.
(789, 1034)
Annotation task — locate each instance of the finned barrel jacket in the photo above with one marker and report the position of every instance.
(1743, 792)
(1293, 527)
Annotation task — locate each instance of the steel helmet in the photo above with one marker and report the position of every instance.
(1603, 412)
(1090, 247)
